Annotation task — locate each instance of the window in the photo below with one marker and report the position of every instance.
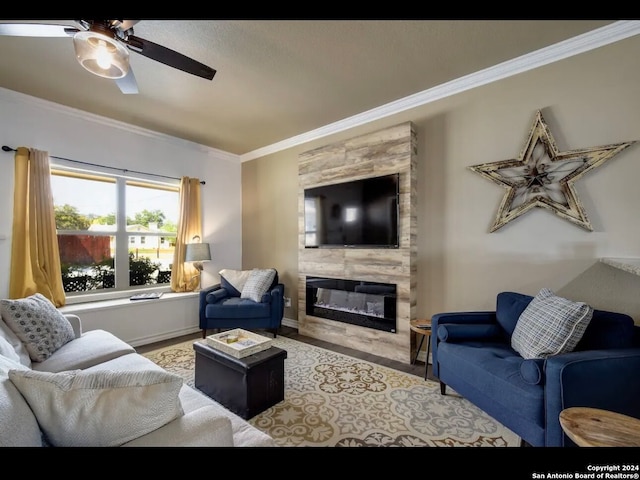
(114, 233)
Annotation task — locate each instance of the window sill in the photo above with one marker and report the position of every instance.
(87, 306)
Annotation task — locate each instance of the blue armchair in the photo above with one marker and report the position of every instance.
(222, 307)
(472, 354)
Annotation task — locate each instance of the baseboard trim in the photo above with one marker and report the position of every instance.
(138, 342)
(290, 322)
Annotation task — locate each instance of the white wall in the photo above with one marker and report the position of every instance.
(69, 133)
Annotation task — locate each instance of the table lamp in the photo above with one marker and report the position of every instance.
(197, 253)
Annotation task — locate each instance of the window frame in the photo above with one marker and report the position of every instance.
(122, 288)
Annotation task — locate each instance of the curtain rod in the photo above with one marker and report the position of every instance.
(9, 149)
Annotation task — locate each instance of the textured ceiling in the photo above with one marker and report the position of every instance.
(275, 78)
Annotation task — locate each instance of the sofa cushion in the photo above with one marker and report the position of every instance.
(14, 341)
(92, 348)
(101, 408)
(607, 330)
(492, 369)
(550, 325)
(258, 283)
(38, 324)
(18, 424)
(7, 350)
(204, 427)
(509, 307)
(244, 433)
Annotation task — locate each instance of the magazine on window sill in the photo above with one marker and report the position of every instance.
(146, 296)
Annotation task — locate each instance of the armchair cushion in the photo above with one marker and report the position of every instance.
(550, 325)
(236, 307)
(258, 283)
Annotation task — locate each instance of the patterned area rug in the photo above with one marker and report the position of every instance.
(340, 401)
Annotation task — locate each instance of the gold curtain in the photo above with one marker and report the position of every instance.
(35, 258)
(184, 277)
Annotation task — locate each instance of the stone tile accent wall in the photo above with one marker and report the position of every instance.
(379, 153)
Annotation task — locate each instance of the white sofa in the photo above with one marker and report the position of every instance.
(200, 421)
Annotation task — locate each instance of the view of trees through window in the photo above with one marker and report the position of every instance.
(98, 250)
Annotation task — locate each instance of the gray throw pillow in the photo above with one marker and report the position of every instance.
(550, 325)
(39, 325)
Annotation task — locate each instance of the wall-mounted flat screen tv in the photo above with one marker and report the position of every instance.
(355, 214)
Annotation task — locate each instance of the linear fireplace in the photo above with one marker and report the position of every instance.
(367, 304)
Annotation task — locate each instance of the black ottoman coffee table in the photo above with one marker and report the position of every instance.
(246, 386)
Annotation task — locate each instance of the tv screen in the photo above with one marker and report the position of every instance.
(359, 213)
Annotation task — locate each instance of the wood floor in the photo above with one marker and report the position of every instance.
(415, 369)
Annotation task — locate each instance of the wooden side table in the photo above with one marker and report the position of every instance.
(593, 427)
(422, 327)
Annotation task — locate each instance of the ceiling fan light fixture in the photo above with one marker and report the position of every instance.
(101, 54)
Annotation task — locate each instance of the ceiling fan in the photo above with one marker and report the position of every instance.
(102, 47)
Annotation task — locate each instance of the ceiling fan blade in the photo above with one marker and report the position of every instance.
(169, 57)
(128, 84)
(37, 30)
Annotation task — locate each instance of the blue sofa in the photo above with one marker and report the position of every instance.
(472, 354)
(221, 307)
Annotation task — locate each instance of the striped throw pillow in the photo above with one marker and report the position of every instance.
(258, 284)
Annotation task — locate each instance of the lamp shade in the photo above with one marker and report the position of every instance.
(197, 252)
(100, 54)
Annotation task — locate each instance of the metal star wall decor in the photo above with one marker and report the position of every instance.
(544, 177)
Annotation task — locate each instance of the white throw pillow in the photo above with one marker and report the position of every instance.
(550, 325)
(102, 408)
(39, 325)
(258, 284)
(237, 278)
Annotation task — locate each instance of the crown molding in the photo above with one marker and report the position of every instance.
(574, 46)
(18, 97)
